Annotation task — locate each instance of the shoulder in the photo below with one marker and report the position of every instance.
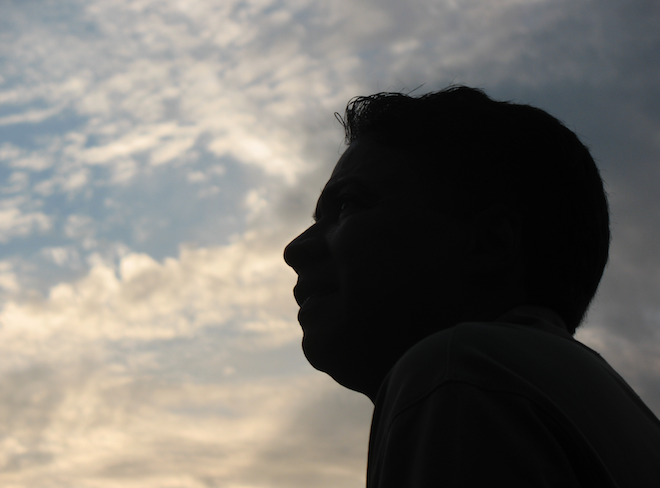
(492, 355)
(451, 399)
(529, 384)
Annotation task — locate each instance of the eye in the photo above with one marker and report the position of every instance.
(348, 204)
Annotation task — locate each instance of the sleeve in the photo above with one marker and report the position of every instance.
(465, 436)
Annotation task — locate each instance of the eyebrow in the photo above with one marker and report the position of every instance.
(334, 188)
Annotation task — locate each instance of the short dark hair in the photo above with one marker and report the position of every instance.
(509, 153)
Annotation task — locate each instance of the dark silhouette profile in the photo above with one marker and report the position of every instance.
(454, 251)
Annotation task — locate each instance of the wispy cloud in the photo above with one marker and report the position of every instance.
(13, 223)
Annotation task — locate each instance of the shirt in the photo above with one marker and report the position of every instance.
(514, 403)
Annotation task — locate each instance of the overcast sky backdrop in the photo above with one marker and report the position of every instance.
(157, 156)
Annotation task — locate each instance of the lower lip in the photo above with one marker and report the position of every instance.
(312, 302)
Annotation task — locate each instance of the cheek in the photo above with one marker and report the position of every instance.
(376, 263)
(360, 246)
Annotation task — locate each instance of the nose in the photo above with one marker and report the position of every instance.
(304, 250)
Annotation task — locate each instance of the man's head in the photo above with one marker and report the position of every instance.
(446, 207)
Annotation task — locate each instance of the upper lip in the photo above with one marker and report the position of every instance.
(306, 288)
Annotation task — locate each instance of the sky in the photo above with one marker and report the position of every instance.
(156, 157)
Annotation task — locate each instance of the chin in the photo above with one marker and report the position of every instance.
(347, 368)
(318, 354)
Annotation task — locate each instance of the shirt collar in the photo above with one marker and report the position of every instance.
(538, 317)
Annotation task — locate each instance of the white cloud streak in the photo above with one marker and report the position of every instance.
(147, 300)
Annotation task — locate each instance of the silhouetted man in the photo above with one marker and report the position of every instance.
(455, 249)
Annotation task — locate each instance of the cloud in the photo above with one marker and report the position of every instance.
(145, 370)
(15, 223)
(82, 371)
(32, 116)
(636, 361)
(8, 281)
(314, 449)
(146, 300)
(62, 256)
(88, 425)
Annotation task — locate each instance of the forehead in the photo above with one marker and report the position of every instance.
(383, 172)
(371, 171)
(373, 165)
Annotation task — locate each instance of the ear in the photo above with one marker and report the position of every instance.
(497, 236)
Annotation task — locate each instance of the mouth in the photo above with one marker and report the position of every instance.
(306, 300)
(304, 292)
(316, 307)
